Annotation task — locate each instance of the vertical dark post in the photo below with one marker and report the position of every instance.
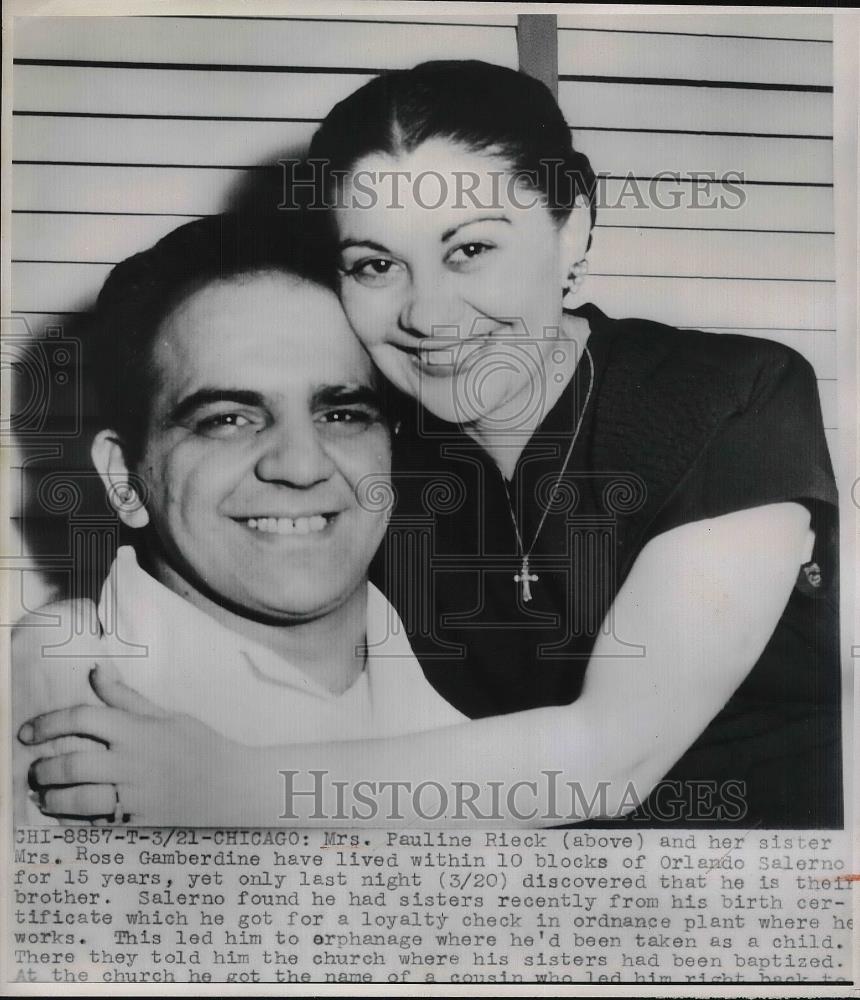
(537, 47)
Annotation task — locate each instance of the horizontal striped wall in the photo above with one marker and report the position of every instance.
(715, 95)
(663, 97)
(125, 127)
(161, 118)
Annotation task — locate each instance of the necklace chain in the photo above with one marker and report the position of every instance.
(524, 577)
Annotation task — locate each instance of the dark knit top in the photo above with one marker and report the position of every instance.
(681, 426)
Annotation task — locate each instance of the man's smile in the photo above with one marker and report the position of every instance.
(302, 525)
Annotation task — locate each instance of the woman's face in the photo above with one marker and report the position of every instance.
(452, 276)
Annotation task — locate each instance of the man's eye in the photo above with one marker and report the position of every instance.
(223, 424)
(373, 270)
(467, 252)
(350, 420)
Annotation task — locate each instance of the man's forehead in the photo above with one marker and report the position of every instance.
(264, 348)
(273, 386)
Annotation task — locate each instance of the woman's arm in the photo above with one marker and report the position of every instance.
(702, 599)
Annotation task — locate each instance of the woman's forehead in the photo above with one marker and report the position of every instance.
(413, 174)
(439, 153)
(438, 185)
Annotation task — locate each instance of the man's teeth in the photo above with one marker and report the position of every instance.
(287, 525)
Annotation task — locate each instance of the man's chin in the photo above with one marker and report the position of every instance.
(291, 608)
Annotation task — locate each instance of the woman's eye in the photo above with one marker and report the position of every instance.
(467, 252)
(223, 424)
(373, 270)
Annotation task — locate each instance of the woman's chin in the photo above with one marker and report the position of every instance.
(442, 399)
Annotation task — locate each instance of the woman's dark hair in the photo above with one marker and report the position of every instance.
(143, 290)
(485, 108)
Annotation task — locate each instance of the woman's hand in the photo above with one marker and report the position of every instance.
(146, 766)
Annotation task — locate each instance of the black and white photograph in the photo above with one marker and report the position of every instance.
(430, 497)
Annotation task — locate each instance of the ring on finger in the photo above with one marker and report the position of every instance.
(120, 816)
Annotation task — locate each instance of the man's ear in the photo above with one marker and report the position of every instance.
(109, 459)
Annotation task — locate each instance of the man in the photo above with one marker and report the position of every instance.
(244, 445)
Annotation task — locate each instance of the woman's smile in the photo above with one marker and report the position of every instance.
(439, 358)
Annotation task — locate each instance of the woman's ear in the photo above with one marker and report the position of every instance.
(574, 236)
(109, 459)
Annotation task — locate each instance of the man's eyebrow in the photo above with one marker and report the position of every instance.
(204, 397)
(369, 244)
(339, 395)
(470, 222)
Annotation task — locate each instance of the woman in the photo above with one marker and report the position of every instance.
(626, 497)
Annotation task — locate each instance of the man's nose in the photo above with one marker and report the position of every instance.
(295, 457)
(431, 308)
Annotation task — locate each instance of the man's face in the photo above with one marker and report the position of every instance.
(264, 429)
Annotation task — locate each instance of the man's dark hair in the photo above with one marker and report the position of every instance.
(142, 291)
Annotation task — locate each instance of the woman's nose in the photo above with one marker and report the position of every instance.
(431, 309)
(295, 457)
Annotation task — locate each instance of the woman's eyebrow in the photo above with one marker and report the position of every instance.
(204, 397)
(370, 244)
(470, 222)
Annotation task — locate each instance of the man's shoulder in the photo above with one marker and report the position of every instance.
(56, 631)
(53, 651)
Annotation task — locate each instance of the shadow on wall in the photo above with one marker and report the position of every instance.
(67, 528)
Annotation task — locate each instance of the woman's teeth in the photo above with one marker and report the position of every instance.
(288, 526)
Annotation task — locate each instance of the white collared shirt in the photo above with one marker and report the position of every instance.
(188, 662)
(185, 661)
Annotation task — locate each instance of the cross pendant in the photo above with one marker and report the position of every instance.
(526, 579)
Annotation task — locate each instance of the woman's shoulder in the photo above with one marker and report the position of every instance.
(652, 353)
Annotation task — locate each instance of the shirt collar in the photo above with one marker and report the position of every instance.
(166, 630)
